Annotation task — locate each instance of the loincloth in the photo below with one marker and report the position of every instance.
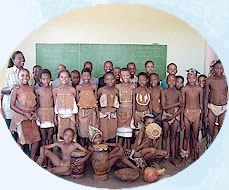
(108, 124)
(124, 132)
(192, 114)
(27, 130)
(165, 115)
(217, 110)
(45, 117)
(87, 117)
(64, 123)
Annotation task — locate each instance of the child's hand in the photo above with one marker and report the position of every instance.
(40, 161)
(28, 116)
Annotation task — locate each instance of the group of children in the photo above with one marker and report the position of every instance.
(118, 107)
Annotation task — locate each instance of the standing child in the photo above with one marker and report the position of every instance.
(65, 104)
(192, 97)
(171, 70)
(45, 110)
(108, 99)
(36, 76)
(75, 77)
(216, 98)
(62, 166)
(125, 114)
(117, 74)
(171, 101)
(141, 101)
(86, 94)
(23, 103)
(132, 68)
(155, 94)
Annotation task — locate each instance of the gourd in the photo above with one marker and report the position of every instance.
(151, 174)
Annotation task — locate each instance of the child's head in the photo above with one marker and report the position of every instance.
(154, 79)
(75, 77)
(117, 73)
(149, 119)
(64, 77)
(95, 135)
(202, 80)
(125, 75)
(142, 79)
(179, 82)
(45, 77)
(109, 79)
(23, 76)
(68, 135)
(218, 69)
(172, 69)
(171, 81)
(192, 76)
(60, 68)
(132, 68)
(86, 75)
(36, 72)
(149, 67)
(17, 59)
(89, 65)
(97, 139)
(108, 66)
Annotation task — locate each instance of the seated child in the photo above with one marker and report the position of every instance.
(86, 94)
(23, 103)
(65, 105)
(171, 101)
(45, 109)
(141, 101)
(146, 147)
(117, 153)
(108, 99)
(62, 166)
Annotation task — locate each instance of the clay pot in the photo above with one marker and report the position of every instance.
(100, 164)
(127, 174)
(150, 175)
(77, 171)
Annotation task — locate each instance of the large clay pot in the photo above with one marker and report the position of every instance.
(100, 163)
(77, 171)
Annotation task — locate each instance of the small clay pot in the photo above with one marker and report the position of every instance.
(127, 174)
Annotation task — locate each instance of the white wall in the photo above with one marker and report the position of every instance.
(122, 23)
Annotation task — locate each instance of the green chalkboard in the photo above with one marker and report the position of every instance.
(74, 55)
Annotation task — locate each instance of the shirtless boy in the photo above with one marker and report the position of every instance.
(171, 101)
(192, 97)
(62, 166)
(216, 98)
(132, 68)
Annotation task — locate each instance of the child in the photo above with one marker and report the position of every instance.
(65, 105)
(155, 94)
(75, 77)
(141, 101)
(93, 80)
(179, 86)
(192, 97)
(146, 147)
(132, 68)
(86, 94)
(108, 66)
(171, 102)
(57, 83)
(117, 153)
(108, 98)
(171, 70)
(216, 98)
(125, 111)
(36, 76)
(117, 74)
(45, 110)
(23, 103)
(62, 166)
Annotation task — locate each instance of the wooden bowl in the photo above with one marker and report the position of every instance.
(127, 174)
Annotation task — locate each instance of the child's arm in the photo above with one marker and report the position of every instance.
(138, 142)
(1, 104)
(150, 103)
(77, 92)
(82, 160)
(201, 108)
(134, 108)
(207, 88)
